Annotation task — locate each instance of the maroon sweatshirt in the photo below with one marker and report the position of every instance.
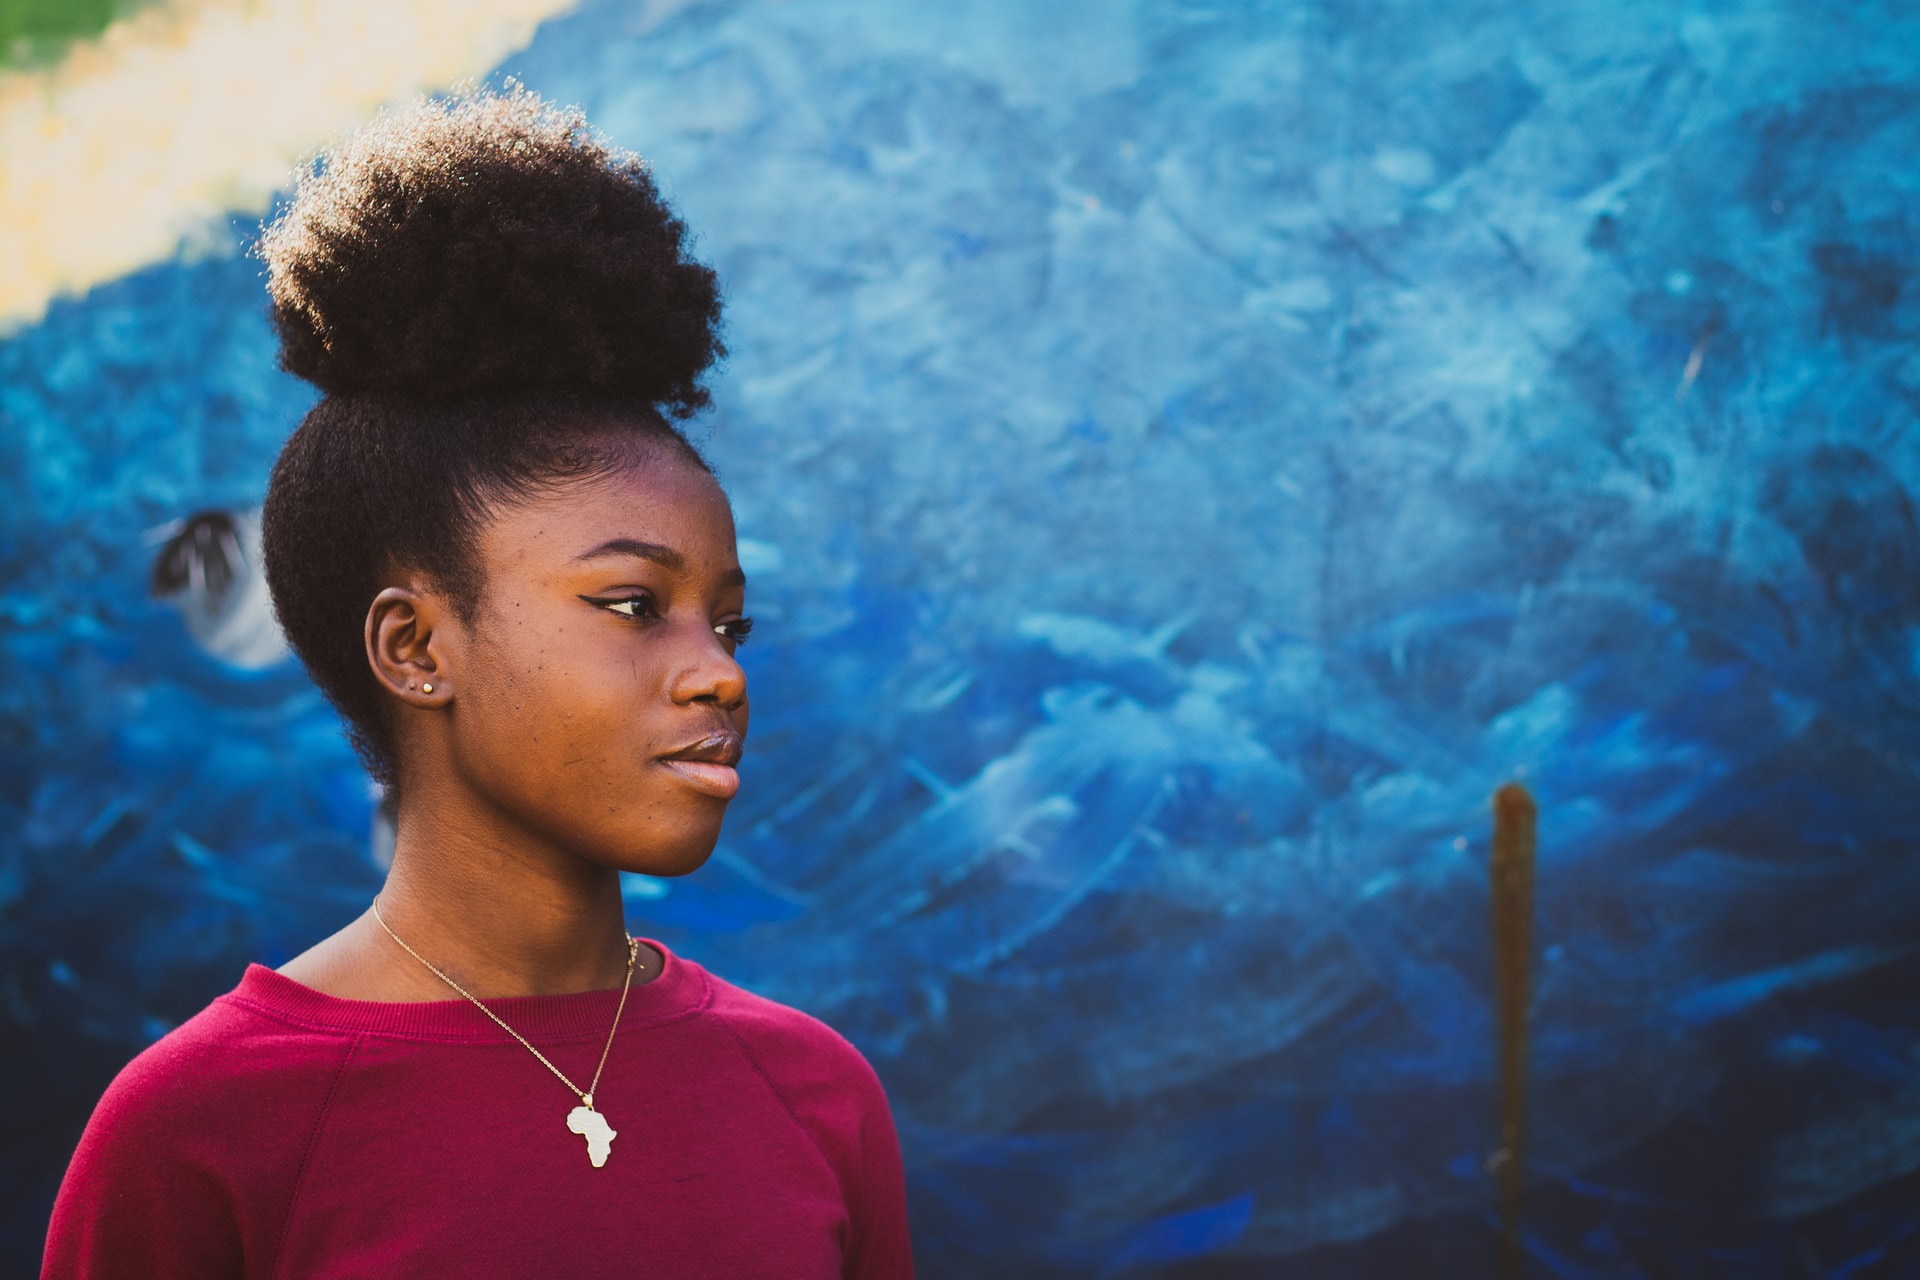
(281, 1132)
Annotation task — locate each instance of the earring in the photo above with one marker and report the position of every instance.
(426, 688)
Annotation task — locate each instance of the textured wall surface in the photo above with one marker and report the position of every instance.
(1189, 455)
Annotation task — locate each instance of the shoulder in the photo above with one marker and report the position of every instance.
(230, 1055)
(232, 1083)
(193, 1147)
(823, 1081)
(783, 1039)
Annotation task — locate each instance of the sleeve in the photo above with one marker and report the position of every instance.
(879, 1246)
(137, 1200)
(834, 1094)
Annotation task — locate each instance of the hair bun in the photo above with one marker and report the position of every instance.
(489, 244)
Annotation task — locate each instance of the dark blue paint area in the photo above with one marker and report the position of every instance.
(1189, 456)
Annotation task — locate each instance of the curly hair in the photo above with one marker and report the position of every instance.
(494, 300)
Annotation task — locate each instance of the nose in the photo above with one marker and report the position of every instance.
(708, 673)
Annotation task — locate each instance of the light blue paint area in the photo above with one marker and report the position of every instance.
(1872, 1135)
(1854, 1266)
(1877, 1055)
(759, 560)
(1565, 1265)
(636, 889)
(1186, 458)
(1192, 1234)
(1098, 641)
(1712, 1003)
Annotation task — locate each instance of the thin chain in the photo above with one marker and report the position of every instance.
(586, 1097)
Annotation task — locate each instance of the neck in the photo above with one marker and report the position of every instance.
(497, 910)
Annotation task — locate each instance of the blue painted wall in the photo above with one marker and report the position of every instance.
(1190, 455)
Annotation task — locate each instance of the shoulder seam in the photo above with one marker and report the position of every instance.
(746, 1050)
(306, 1155)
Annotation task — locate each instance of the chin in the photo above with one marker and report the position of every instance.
(677, 854)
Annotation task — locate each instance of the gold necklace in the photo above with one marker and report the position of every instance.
(583, 1119)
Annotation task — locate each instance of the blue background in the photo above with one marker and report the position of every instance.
(1190, 454)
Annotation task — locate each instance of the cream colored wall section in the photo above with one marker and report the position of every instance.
(141, 139)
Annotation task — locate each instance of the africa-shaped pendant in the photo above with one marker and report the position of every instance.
(592, 1126)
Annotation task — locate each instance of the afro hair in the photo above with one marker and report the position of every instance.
(490, 243)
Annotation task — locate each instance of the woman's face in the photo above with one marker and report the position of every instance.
(598, 705)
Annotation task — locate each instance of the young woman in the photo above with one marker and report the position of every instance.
(517, 582)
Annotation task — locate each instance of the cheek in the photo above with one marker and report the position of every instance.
(521, 691)
(559, 710)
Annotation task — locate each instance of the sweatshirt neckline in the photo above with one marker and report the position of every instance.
(679, 991)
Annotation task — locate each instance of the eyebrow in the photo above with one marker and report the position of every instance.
(665, 557)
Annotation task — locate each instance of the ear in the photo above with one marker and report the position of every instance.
(402, 646)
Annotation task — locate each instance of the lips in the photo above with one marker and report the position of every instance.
(708, 765)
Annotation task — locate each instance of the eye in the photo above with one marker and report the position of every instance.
(636, 606)
(735, 632)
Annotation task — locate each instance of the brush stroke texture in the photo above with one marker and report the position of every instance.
(1191, 454)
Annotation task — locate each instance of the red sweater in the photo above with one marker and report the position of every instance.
(282, 1132)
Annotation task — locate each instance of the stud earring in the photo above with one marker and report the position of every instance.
(426, 688)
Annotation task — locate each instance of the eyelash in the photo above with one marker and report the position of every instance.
(737, 631)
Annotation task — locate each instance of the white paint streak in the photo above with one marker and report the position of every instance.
(140, 140)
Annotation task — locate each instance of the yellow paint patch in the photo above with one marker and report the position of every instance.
(142, 139)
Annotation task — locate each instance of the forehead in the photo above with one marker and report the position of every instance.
(658, 499)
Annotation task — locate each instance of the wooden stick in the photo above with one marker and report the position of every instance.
(1511, 871)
